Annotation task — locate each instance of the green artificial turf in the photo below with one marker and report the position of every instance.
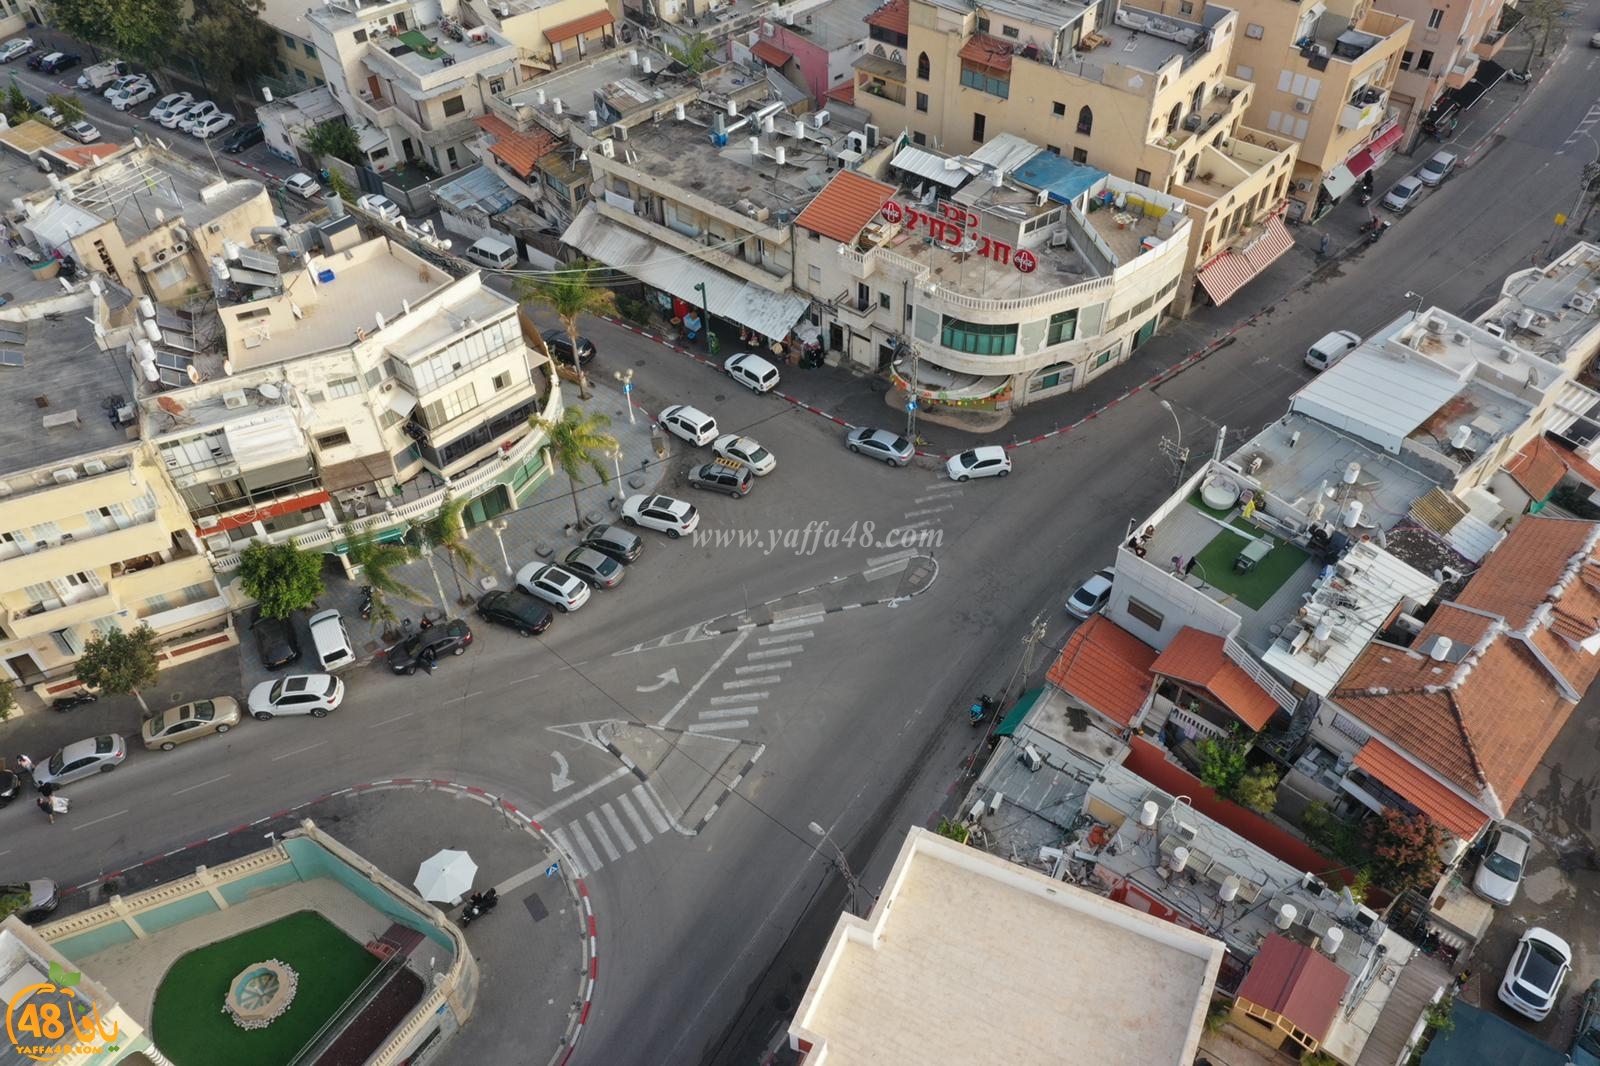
(190, 1025)
(1256, 587)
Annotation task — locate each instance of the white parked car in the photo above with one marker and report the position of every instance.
(752, 371)
(560, 589)
(665, 514)
(207, 128)
(82, 759)
(376, 204)
(1406, 192)
(692, 425)
(174, 117)
(313, 694)
(198, 114)
(126, 81)
(16, 48)
(990, 460)
(302, 185)
(1091, 595)
(83, 132)
(1532, 984)
(168, 104)
(52, 116)
(746, 450)
(1505, 859)
(136, 93)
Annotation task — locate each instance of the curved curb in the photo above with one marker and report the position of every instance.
(711, 625)
(588, 926)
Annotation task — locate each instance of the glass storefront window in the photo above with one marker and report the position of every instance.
(979, 338)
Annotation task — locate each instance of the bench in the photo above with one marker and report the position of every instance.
(61, 418)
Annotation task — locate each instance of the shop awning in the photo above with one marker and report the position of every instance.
(771, 314)
(566, 31)
(1226, 275)
(1338, 181)
(1488, 76)
(770, 54)
(1385, 141)
(1360, 163)
(1014, 720)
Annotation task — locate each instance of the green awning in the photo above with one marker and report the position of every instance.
(1019, 712)
(1478, 1036)
(393, 535)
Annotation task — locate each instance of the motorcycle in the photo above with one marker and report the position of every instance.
(980, 711)
(479, 904)
(366, 601)
(1521, 77)
(77, 699)
(1373, 229)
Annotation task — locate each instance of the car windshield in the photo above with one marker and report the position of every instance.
(277, 692)
(1503, 866)
(57, 761)
(757, 454)
(205, 710)
(1542, 966)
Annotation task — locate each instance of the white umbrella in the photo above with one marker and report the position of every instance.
(446, 877)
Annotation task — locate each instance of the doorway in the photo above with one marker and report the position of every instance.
(25, 669)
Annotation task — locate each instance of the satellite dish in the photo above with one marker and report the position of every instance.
(269, 391)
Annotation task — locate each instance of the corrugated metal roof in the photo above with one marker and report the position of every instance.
(770, 314)
(931, 165)
(1006, 152)
(478, 188)
(770, 53)
(1377, 397)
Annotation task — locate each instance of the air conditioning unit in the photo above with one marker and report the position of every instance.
(180, 248)
(209, 521)
(64, 475)
(228, 471)
(160, 255)
(1303, 106)
(1582, 301)
(235, 399)
(872, 135)
(217, 542)
(820, 119)
(94, 466)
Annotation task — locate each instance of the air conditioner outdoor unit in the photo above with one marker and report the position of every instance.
(209, 521)
(217, 542)
(64, 475)
(94, 466)
(180, 248)
(820, 119)
(1303, 106)
(235, 399)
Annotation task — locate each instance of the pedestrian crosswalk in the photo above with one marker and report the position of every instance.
(745, 687)
(616, 828)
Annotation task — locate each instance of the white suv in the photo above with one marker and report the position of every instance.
(664, 514)
(313, 694)
(562, 590)
(693, 425)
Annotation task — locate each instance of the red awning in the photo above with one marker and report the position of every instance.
(1385, 140)
(1223, 277)
(986, 51)
(262, 514)
(770, 54)
(566, 31)
(1360, 163)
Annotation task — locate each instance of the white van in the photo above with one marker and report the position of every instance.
(492, 253)
(331, 640)
(1330, 349)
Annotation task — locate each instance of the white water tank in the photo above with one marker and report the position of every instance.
(151, 330)
(147, 307)
(1351, 473)
(1331, 941)
(780, 155)
(1285, 916)
(677, 112)
(1228, 891)
(1350, 517)
(1148, 814)
(1461, 437)
(1324, 629)
(1440, 651)
(1180, 859)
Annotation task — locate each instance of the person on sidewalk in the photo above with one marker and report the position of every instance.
(25, 766)
(44, 803)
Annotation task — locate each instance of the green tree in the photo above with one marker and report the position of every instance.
(120, 662)
(696, 51)
(17, 108)
(1257, 789)
(13, 902)
(70, 107)
(229, 43)
(139, 29)
(577, 440)
(1405, 849)
(8, 697)
(570, 293)
(378, 560)
(1222, 761)
(446, 531)
(281, 577)
(333, 138)
(1540, 18)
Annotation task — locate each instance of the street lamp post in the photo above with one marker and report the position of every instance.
(499, 525)
(1180, 451)
(626, 377)
(850, 879)
(1417, 296)
(426, 551)
(912, 402)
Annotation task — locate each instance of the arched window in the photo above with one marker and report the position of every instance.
(922, 66)
(1085, 120)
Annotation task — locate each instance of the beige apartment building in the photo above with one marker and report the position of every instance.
(1144, 96)
(1449, 56)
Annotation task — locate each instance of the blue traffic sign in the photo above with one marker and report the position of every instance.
(553, 869)
(627, 387)
(911, 405)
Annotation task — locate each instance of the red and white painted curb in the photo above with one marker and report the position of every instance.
(589, 931)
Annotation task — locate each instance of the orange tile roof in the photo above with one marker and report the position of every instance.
(894, 16)
(845, 205)
(1431, 796)
(845, 94)
(83, 155)
(566, 31)
(1525, 570)
(1107, 668)
(770, 53)
(1198, 659)
(991, 52)
(1538, 468)
(1577, 464)
(518, 151)
(1295, 981)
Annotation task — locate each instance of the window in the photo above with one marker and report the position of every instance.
(814, 273)
(497, 85)
(977, 127)
(361, 36)
(922, 66)
(1103, 358)
(333, 440)
(1058, 109)
(1142, 613)
(343, 387)
(922, 102)
(918, 137)
(883, 300)
(1185, 8)
(290, 41)
(983, 24)
(283, 68)
(1051, 377)
(502, 381)
(1010, 31)
(1141, 177)
(1085, 120)
(1405, 60)
(311, 50)
(299, 74)
(878, 33)
(974, 76)
(1246, 73)
(1052, 149)
(1425, 61)
(1063, 326)
(1435, 18)
(979, 338)
(455, 105)
(1080, 155)
(453, 406)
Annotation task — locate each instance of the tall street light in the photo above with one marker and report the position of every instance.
(1182, 453)
(705, 319)
(850, 879)
(626, 377)
(911, 391)
(499, 526)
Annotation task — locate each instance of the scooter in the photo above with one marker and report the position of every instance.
(77, 699)
(1365, 193)
(366, 601)
(1374, 228)
(980, 711)
(479, 904)
(1521, 77)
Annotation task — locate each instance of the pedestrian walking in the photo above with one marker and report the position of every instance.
(25, 766)
(45, 805)
(1324, 244)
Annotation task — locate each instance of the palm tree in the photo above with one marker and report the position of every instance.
(695, 51)
(570, 293)
(377, 560)
(447, 532)
(576, 441)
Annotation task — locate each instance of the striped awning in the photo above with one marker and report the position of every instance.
(1226, 275)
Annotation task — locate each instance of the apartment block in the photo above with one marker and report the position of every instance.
(550, 34)
(1449, 57)
(812, 46)
(297, 64)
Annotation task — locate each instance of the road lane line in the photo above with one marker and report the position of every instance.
(942, 494)
(924, 512)
(758, 667)
(191, 788)
(892, 557)
(648, 805)
(632, 812)
(617, 828)
(738, 697)
(875, 572)
(770, 679)
(396, 718)
(687, 696)
(763, 641)
(773, 653)
(612, 854)
(546, 814)
(729, 712)
(717, 727)
(299, 751)
(97, 821)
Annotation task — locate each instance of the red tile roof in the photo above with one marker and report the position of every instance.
(845, 93)
(895, 16)
(770, 53)
(1577, 464)
(1297, 982)
(84, 155)
(1538, 468)
(518, 151)
(1430, 795)
(1198, 659)
(845, 205)
(991, 52)
(566, 31)
(1105, 667)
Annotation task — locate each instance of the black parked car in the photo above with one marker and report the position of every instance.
(446, 638)
(515, 609)
(619, 543)
(560, 346)
(59, 62)
(10, 785)
(244, 137)
(275, 641)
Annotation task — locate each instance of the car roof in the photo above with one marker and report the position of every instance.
(988, 451)
(1442, 157)
(79, 748)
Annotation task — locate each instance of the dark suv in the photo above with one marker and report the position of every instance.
(515, 609)
(275, 641)
(621, 544)
(446, 638)
(560, 346)
(56, 64)
(722, 475)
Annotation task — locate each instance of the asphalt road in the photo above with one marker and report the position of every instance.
(709, 938)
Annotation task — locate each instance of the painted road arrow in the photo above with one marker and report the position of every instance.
(668, 678)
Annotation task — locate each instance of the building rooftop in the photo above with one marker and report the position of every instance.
(834, 24)
(845, 206)
(435, 61)
(58, 384)
(1546, 310)
(1107, 668)
(306, 108)
(1115, 985)
(615, 84)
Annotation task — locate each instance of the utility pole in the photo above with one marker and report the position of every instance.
(1031, 643)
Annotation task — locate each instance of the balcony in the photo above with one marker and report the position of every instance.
(74, 555)
(884, 90)
(1228, 100)
(1366, 106)
(380, 112)
(45, 617)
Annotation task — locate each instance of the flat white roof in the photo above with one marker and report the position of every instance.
(969, 959)
(1377, 397)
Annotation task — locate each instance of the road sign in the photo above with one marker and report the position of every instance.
(627, 387)
(553, 869)
(911, 405)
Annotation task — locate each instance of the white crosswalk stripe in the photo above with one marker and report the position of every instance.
(738, 697)
(648, 805)
(616, 827)
(585, 853)
(728, 712)
(893, 557)
(718, 727)
(593, 818)
(639, 828)
(763, 641)
(758, 667)
(773, 653)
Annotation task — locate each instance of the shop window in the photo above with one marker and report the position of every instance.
(979, 338)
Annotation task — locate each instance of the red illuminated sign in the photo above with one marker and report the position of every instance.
(949, 227)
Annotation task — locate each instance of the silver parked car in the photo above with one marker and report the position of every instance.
(1505, 858)
(82, 759)
(892, 448)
